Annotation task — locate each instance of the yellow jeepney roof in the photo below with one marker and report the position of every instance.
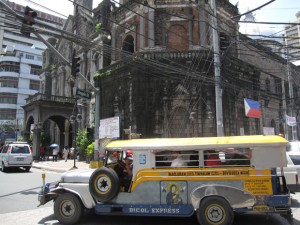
(197, 142)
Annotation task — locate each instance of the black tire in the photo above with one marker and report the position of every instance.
(104, 184)
(27, 168)
(214, 211)
(68, 208)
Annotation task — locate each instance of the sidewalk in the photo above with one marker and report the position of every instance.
(60, 165)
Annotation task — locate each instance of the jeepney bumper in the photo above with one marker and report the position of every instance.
(45, 195)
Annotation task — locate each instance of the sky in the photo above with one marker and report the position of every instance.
(278, 11)
(283, 11)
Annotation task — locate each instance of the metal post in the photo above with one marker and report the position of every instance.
(291, 93)
(97, 124)
(218, 89)
(129, 132)
(75, 133)
(286, 133)
(75, 145)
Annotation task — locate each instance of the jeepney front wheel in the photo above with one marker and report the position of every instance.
(104, 184)
(68, 208)
(214, 210)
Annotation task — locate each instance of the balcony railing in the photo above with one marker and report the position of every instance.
(53, 98)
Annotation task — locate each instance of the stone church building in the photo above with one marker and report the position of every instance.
(153, 62)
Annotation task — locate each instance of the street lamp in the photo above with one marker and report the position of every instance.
(74, 120)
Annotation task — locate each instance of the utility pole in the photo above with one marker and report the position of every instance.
(217, 65)
(286, 133)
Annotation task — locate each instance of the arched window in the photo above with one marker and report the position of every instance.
(128, 44)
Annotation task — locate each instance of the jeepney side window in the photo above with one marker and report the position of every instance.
(238, 156)
(212, 158)
(162, 159)
(193, 158)
(176, 159)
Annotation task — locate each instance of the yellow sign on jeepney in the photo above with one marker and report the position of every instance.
(259, 186)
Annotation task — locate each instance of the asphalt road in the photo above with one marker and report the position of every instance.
(19, 189)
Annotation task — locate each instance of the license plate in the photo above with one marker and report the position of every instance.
(260, 208)
(20, 159)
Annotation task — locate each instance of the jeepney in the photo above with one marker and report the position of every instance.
(214, 178)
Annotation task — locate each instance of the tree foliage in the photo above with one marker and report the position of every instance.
(90, 150)
(82, 142)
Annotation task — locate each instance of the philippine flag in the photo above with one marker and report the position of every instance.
(252, 108)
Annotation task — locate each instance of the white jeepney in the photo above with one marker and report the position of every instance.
(214, 178)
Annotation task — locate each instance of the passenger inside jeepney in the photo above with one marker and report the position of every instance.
(122, 163)
(237, 157)
(178, 159)
(126, 179)
(211, 158)
(113, 158)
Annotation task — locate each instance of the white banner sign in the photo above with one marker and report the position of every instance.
(109, 128)
(269, 130)
(290, 121)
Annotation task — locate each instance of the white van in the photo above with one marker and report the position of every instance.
(16, 155)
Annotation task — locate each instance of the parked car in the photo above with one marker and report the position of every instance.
(291, 175)
(16, 155)
(293, 150)
(292, 170)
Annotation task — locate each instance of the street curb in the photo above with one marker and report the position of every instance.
(50, 168)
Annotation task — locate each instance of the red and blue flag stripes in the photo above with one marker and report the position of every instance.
(252, 108)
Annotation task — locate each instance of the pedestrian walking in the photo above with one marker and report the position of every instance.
(66, 153)
(55, 153)
(42, 152)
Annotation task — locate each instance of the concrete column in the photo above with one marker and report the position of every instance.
(202, 27)
(151, 29)
(142, 32)
(113, 45)
(36, 140)
(190, 34)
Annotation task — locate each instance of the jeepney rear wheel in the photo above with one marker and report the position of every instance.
(214, 210)
(104, 184)
(68, 208)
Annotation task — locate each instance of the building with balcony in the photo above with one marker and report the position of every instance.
(21, 63)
